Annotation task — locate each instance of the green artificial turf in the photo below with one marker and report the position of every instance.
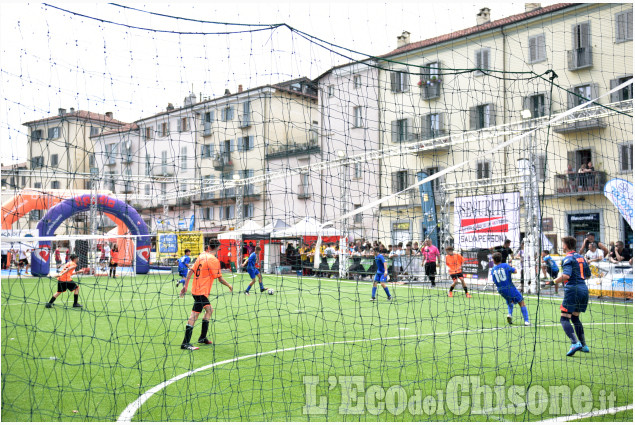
(63, 364)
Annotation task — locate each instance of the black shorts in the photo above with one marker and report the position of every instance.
(113, 264)
(456, 276)
(200, 301)
(24, 262)
(431, 269)
(66, 286)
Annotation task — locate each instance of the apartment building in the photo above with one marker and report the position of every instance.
(428, 99)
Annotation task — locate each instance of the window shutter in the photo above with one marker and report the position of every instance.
(541, 48)
(477, 59)
(585, 35)
(221, 216)
(626, 157)
(572, 98)
(486, 170)
(595, 91)
(492, 114)
(474, 118)
(479, 170)
(394, 131)
(442, 128)
(533, 55)
(250, 142)
(547, 104)
(527, 103)
(411, 131)
(178, 125)
(405, 81)
(425, 127)
(615, 96)
(395, 181)
(393, 81)
(232, 211)
(571, 160)
(629, 25)
(485, 59)
(231, 145)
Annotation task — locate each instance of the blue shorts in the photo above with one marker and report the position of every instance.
(379, 277)
(576, 299)
(511, 295)
(553, 273)
(253, 273)
(183, 273)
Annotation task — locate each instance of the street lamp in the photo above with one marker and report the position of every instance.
(238, 188)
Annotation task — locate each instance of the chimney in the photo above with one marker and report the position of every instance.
(227, 92)
(72, 110)
(403, 39)
(109, 115)
(482, 17)
(61, 111)
(170, 107)
(190, 100)
(240, 88)
(532, 6)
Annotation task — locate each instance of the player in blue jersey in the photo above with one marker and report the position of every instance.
(184, 266)
(502, 275)
(250, 263)
(381, 276)
(575, 271)
(549, 266)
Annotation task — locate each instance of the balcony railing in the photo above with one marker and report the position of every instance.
(580, 183)
(579, 58)
(223, 161)
(293, 149)
(584, 119)
(430, 89)
(304, 191)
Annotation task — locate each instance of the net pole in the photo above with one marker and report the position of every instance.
(239, 222)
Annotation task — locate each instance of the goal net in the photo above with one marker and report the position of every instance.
(371, 187)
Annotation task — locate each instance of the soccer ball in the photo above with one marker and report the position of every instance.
(270, 292)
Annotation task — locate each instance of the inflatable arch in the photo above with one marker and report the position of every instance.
(33, 199)
(40, 265)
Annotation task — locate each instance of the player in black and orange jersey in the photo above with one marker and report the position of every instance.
(65, 282)
(206, 268)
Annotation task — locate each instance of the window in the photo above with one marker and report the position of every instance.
(37, 162)
(54, 133)
(36, 135)
(127, 172)
(358, 116)
(207, 150)
(91, 160)
(331, 91)
(580, 57)
(400, 181)
(208, 117)
(111, 180)
(184, 158)
(35, 215)
(111, 152)
(537, 104)
(227, 114)
(401, 130)
(483, 170)
(481, 59)
(624, 26)
(94, 131)
(248, 211)
(540, 164)
(537, 48)
(245, 143)
(626, 157)
(357, 170)
(432, 126)
(313, 135)
(55, 184)
(482, 116)
(226, 212)
(164, 162)
(582, 94)
(54, 160)
(149, 134)
(207, 213)
(37, 185)
(625, 93)
(436, 183)
(164, 189)
(146, 190)
(245, 119)
(357, 81)
(183, 124)
(165, 128)
(431, 81)
(148, 165)
(398, 81)
(357, 218)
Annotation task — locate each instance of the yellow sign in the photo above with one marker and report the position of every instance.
(174, 244)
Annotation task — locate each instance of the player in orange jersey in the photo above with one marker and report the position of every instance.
(65, 282)
(455, 268)
(114, 259)
(206, 268)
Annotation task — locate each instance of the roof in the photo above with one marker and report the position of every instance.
(16, 166)
(81, 115)
(480, 28)
(123, 129)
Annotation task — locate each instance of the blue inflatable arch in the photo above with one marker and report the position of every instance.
(40, 258)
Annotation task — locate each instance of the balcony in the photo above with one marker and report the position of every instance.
(579, 58)
(127, 159)
(249, 193)
(430, 89)
(585, 119)
(110, 161)
(128, 187)
(222, 162)
(304, 191)
(163, 171)
(283, 151)
(580, 183)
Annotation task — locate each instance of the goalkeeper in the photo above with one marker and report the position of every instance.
(65, 282)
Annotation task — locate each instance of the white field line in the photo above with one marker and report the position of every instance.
(131, 409)
(611, 411)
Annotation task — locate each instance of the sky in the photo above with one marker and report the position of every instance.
(52, 58)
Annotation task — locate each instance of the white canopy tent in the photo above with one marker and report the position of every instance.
(249, 227)
(308, 226)
(275, 225)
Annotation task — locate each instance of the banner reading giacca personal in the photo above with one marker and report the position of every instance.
(485, 221)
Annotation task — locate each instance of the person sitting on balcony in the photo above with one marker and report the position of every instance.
(590, 177)
(571, 178)
(582, 178)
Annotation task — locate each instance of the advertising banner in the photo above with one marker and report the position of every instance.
(485, 221)
(174, 244)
